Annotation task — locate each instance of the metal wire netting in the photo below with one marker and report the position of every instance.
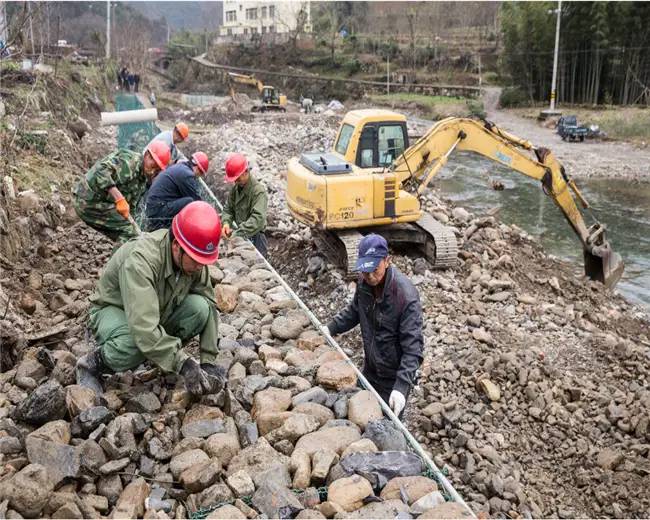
(134, 136)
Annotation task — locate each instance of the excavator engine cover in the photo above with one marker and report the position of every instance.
(325, 163)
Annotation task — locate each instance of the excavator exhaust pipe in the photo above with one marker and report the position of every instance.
(601, 263)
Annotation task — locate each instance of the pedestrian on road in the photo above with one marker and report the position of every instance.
(244, 214)
(387, 308)
(172, 137)
(103, 197)
(154, 295)
(131, 80)
(136, 81)
(174, 189)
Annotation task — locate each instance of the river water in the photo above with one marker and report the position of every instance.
(623, 206)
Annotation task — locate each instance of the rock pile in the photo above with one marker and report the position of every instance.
(533, 393)
(290, 419)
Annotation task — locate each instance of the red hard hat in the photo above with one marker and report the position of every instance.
(159, 150)
(201, 160)
(197, 228)
(236, 165)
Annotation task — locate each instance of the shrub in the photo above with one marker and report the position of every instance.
(476, 108)
(512, 97)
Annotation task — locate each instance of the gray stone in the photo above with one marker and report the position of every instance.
(181, 462)
(385, 436)
(313, 395)
(276, 501)
(90, 419)
(203, 428)
(46, 403)
(60, 460)
(114, 466)
(241, 484)
(146, 402)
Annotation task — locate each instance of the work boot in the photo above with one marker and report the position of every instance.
(89, 371)
(217, 376)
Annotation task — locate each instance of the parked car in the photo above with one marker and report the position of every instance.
(568, 128)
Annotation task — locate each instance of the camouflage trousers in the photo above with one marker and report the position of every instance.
(105, 219)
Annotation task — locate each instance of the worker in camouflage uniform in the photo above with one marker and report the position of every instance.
(244, 214)
(178, 134)
(104, 196)
(154, 295)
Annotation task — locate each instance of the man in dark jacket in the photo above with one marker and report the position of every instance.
(174, 189)
(387, 307)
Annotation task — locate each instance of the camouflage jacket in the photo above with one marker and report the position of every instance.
(122, 169)
(246, 208)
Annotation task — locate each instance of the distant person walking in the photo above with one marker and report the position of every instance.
(131, 79)
(136, 79)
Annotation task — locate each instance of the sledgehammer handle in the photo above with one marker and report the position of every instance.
(135, 225)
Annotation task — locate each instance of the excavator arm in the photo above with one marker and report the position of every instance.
(422, 161)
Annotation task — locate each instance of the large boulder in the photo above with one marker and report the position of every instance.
(271, 400)
(60, 460)
(337, 374)
(446, 510)
(334, 439)
(349, 492)
(256, 458)
(363, 407)
(28, 490)
(415, 488)
(131, 501)
(46, 403)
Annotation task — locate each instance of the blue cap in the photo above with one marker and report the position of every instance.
(372, 249)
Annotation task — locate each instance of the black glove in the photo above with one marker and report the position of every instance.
(196, 381)
(216, 376)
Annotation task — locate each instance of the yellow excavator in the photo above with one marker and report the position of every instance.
(372, 182)
(270, 98)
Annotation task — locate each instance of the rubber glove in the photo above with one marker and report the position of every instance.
(397, 401)
(122, 207)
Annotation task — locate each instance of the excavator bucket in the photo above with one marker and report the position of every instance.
(601, 263)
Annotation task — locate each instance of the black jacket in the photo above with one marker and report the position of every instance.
(391, 327)
(172, 190)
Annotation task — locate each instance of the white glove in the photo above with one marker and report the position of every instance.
(397, 401)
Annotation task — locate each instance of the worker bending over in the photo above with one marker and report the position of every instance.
(387, 308)
(154, 295)
(103, 198)
(244, 214)
(174, 189)
(172, 137)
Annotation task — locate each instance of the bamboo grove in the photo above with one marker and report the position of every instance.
(604, 53)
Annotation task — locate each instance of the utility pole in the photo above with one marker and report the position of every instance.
(387, 73)
(3, 23)
(108, 29)
(552, 111)
(557, 47)
(31, 26)
(480, 77)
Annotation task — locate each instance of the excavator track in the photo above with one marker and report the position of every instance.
(436, 241)
(441, 247)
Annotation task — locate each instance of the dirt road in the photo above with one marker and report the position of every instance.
(593, 158)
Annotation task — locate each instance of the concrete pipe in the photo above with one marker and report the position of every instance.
(129, 116)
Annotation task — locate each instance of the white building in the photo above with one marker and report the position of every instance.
(252, 17)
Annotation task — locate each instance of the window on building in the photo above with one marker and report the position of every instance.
(272, 28)
(271, 11)
(251, 14)
(245, 30)
(253, 30)
(231, 16)
(264, 12)
(229, 32)
(263, 30)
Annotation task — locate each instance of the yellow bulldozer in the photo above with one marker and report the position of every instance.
(270, 98)
(373, 178)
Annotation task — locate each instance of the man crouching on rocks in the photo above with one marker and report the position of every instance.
(155, 294)
(387, 307)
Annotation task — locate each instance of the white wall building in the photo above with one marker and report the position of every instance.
(253, 17)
